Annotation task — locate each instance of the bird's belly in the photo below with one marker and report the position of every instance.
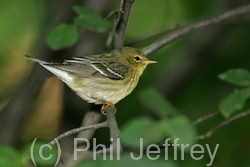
(104, 92)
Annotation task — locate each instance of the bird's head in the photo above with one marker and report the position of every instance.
(135, 59)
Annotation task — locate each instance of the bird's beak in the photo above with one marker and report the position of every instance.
(150, 62)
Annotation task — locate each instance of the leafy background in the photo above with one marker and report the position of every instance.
(185, 80)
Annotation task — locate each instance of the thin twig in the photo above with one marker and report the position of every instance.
(101, 151)
(210, 132)
(122, 24)
(190, 28)
(147, 39)
(118, 13)
(90, 118)
(199, 120)
(112, 13)
(77, 130)
(115, 143)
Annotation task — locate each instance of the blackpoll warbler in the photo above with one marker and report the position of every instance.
(104, 78)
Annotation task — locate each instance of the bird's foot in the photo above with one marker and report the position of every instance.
(105, 106)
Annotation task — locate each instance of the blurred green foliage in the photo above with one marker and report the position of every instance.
(238, 77)
(185, 80)
(125, 160)
(153, 100)
(91, 20)
(19, 28)
(38, 152)
(10, 157)
(64, 35)
(235, 101)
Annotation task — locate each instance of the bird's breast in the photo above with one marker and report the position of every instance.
(104, 89)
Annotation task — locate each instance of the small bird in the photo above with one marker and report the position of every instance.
(103, 78)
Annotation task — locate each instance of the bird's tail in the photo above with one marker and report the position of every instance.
(37, 60)
(56, 68)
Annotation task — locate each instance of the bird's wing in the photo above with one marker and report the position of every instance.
(85, 66)
(107, 69)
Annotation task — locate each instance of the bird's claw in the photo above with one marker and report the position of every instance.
(105, 106)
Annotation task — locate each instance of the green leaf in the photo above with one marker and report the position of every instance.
(127, 160)
(142, 127)
(41, 152)
(9, 157)
(179, 128)
(234, 102)
(154, 100)
(90, 20)
(93, 24)
(85, 11)
(64, 35)
(239, 77)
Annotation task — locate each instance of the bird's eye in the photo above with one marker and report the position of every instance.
(137, 58)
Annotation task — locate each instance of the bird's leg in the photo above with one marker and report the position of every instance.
(105, 106)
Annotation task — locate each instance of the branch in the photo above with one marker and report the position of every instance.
(90, 118)
(77, 130)
(112, 13)
(116, 21)
(199, 120)
(114, 130)
(185, 30)
(148, 39)
(111, 123)
(122, 25)
(209, 133)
